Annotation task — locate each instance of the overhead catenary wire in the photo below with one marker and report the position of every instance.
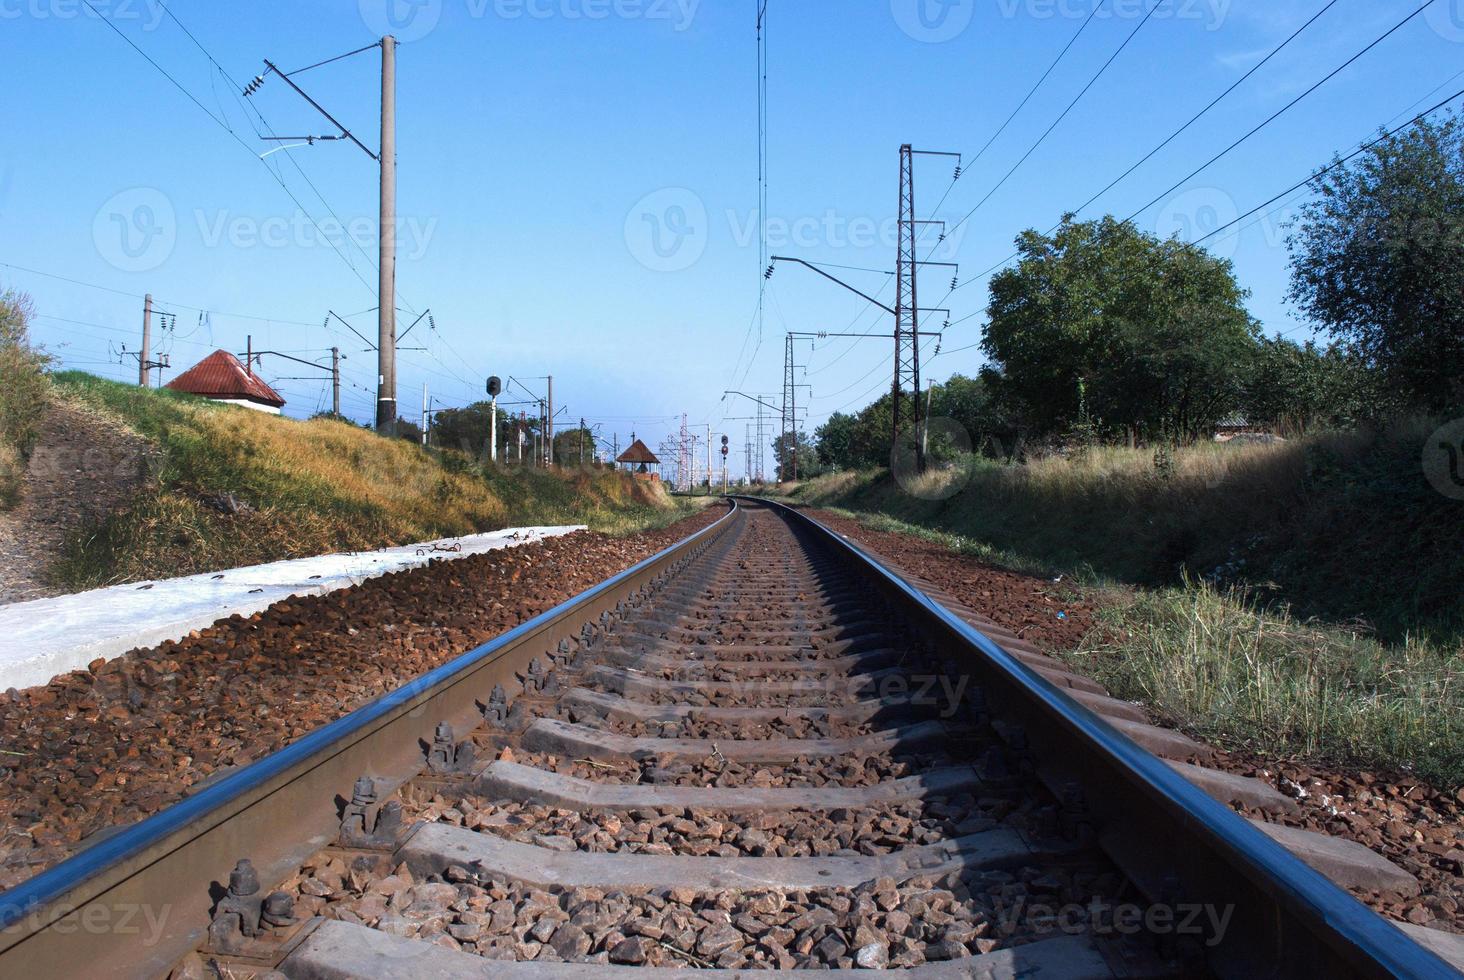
(1299, 185)
(966, 167)
(1284, 109)
(1229, 149)
(1212, 104)
(1061, 116)
(235, 136)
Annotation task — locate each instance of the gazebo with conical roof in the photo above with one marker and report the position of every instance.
(638, 457)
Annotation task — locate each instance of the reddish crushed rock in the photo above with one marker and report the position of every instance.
(1025, 604)
(108, 746)
(1418, 827)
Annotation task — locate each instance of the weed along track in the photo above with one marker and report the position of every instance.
(758, 749)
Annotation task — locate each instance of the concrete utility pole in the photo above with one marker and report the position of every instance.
(335, 381)
(424, 413)
(493, 429)
(709, 457)
(582, 442)
(386, 400)
(541, 451)
(549, 425)
(143, 358)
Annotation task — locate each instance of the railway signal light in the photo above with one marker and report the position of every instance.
(495, 387)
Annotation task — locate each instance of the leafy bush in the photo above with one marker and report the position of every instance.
(24, 390)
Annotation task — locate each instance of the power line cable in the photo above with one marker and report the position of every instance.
(1276, 115)
(1216, 101)
(1023, 104)
(1237, 143)
(235, 136)
(1065, 112)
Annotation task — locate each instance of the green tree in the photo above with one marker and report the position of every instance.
(1295, 388)
(834, 442)
(571, 445)
(1378, 260)
(465, 429)
(976, 406)
(784, 448)
(410, 431)
(1154, 334)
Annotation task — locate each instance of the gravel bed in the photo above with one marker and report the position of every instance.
(694, 727)
(108, 746)
(697, 832)
(835, 692)
(1418, 827)
(703, 653)
(800, 773)
(881, 924)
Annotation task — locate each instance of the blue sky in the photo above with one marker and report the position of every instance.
(578, 178)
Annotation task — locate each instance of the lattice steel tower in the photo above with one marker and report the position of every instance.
(906, 386)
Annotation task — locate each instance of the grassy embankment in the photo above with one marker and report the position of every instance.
(310, 488)
(1332, 622)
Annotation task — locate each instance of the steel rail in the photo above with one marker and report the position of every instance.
(1289, 919)
(136, 902)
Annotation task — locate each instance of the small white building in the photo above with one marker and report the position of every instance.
(221, 378)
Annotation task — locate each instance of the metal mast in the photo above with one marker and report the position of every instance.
(907, 313)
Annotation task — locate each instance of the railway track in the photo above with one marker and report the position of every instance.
(757, 750)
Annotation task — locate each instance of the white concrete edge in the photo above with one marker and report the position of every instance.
(44, 638)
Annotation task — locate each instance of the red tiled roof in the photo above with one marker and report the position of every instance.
(637, 453)
(220, 375)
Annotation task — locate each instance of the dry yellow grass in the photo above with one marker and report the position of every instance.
(310, 487)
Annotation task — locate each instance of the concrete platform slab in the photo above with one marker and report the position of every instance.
(46, 637)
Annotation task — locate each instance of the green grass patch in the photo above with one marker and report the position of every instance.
(1242, 675)
(312, 487)
(1340, 525)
